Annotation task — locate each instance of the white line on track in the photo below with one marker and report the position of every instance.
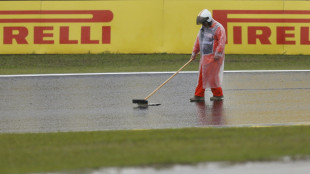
(143, 73)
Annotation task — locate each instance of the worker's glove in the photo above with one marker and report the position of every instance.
(193, 57)
(217, 57)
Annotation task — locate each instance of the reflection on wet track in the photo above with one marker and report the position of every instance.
(103, 101)
(210, 115)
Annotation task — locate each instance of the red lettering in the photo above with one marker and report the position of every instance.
(237, 35)
(64, 36)
(263, 37)
(106, 35)
(39, 35)
(85, 36)
(45, 35)
(282, 35)
(20, 36)
(222, 17)
(304, 36)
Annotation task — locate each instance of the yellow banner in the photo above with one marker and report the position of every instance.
(151, 26)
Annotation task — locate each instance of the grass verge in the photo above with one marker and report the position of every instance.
(41, 152)
(90, 63)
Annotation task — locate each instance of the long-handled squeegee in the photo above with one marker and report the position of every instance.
(144, 102)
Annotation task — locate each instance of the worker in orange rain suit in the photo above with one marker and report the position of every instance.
(210, 42)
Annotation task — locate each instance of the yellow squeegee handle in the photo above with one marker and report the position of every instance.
(168, 79)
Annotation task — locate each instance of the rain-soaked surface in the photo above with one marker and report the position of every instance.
(275, 167)
(104, 101)
(284, 166)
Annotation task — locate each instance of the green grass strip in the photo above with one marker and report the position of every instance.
(42, 152)
(97, 63)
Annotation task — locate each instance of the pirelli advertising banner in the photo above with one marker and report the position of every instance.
(151, 26)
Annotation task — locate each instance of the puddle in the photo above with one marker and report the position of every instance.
(285, 166)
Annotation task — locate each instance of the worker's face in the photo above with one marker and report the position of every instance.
(206, 24)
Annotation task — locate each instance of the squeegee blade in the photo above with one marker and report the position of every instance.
(139, 101)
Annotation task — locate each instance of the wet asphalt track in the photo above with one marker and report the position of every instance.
(104, 101)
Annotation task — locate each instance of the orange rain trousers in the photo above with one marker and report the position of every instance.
(200, 91)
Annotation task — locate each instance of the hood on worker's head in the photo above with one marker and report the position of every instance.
(204, 17)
